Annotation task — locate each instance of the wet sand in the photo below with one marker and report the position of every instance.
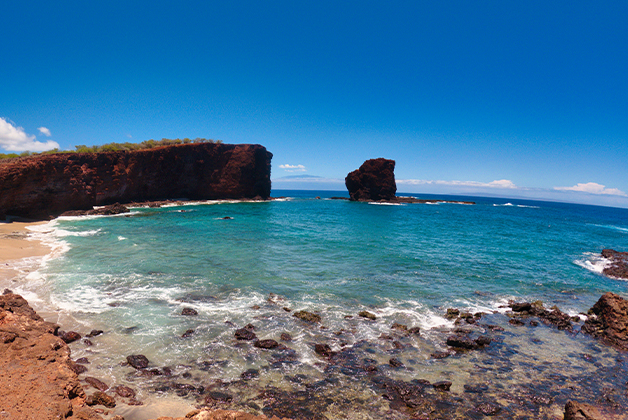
(14, 246)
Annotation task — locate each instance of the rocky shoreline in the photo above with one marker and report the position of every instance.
(38, 375)
(618, 267)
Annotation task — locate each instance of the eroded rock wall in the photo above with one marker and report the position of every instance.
(47, 185)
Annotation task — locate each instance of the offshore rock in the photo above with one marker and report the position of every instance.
(373, 181)
(608, 320)
(619, 264)
(47, 185)
(36, 381)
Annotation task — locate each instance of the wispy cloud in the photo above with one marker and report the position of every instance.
(45, 131)
(502, 183)
(14, 139)
(293, 168)
(593, 188)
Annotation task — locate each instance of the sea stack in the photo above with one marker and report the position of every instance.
(50, 184)
(373, 181)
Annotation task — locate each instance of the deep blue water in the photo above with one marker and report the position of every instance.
(405, 263)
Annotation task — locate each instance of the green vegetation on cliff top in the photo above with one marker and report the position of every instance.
(114, 147)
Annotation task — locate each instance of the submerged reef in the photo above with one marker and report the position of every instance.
(48, 185)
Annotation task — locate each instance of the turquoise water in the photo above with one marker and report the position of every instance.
(131, 275)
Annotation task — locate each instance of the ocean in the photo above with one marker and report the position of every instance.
(239, 263)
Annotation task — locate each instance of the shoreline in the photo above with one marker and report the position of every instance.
(16, 244)
(494, 381)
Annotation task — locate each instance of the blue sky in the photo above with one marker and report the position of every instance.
(478, 97)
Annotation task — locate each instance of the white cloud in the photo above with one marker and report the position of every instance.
(14, 139)
(593, 188)
(293, 168)
(502, 183)
(45, 131)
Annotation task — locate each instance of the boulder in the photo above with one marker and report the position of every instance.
(138, 361)
(245, 334)
(619, 264)
(266, 344)
(307, 316)
(100, 398)
(97, 383)
(373, 181)
(369, 315)
(124, 391)
(189, 312)
(608, 320)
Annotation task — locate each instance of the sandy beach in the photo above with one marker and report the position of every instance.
(14, 246)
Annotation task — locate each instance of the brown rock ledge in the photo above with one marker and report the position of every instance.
(36, 381)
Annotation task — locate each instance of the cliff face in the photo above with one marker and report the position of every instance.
(45, 185)
(374, 181)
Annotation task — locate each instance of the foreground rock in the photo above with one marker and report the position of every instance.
(47, 185)
(36, 381)
(608, 320)
(619, 264)
(373, 181)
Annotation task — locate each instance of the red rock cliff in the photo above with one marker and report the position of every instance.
(45, 185)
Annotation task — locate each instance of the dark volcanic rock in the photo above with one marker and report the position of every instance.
(245, 334)
(124, 391)
(266, 344)
(366, 314)
(97, 383)
(94, 333)
(375, 180)
(442, 385)
(189, 312)
(489, 408)
(394, 362)
(44, 185)
(520, 307)
(69, 336)
(323, 350)
(619, 263)
(461, 342)
(307, 316)
(138, 361)
(608, 320)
